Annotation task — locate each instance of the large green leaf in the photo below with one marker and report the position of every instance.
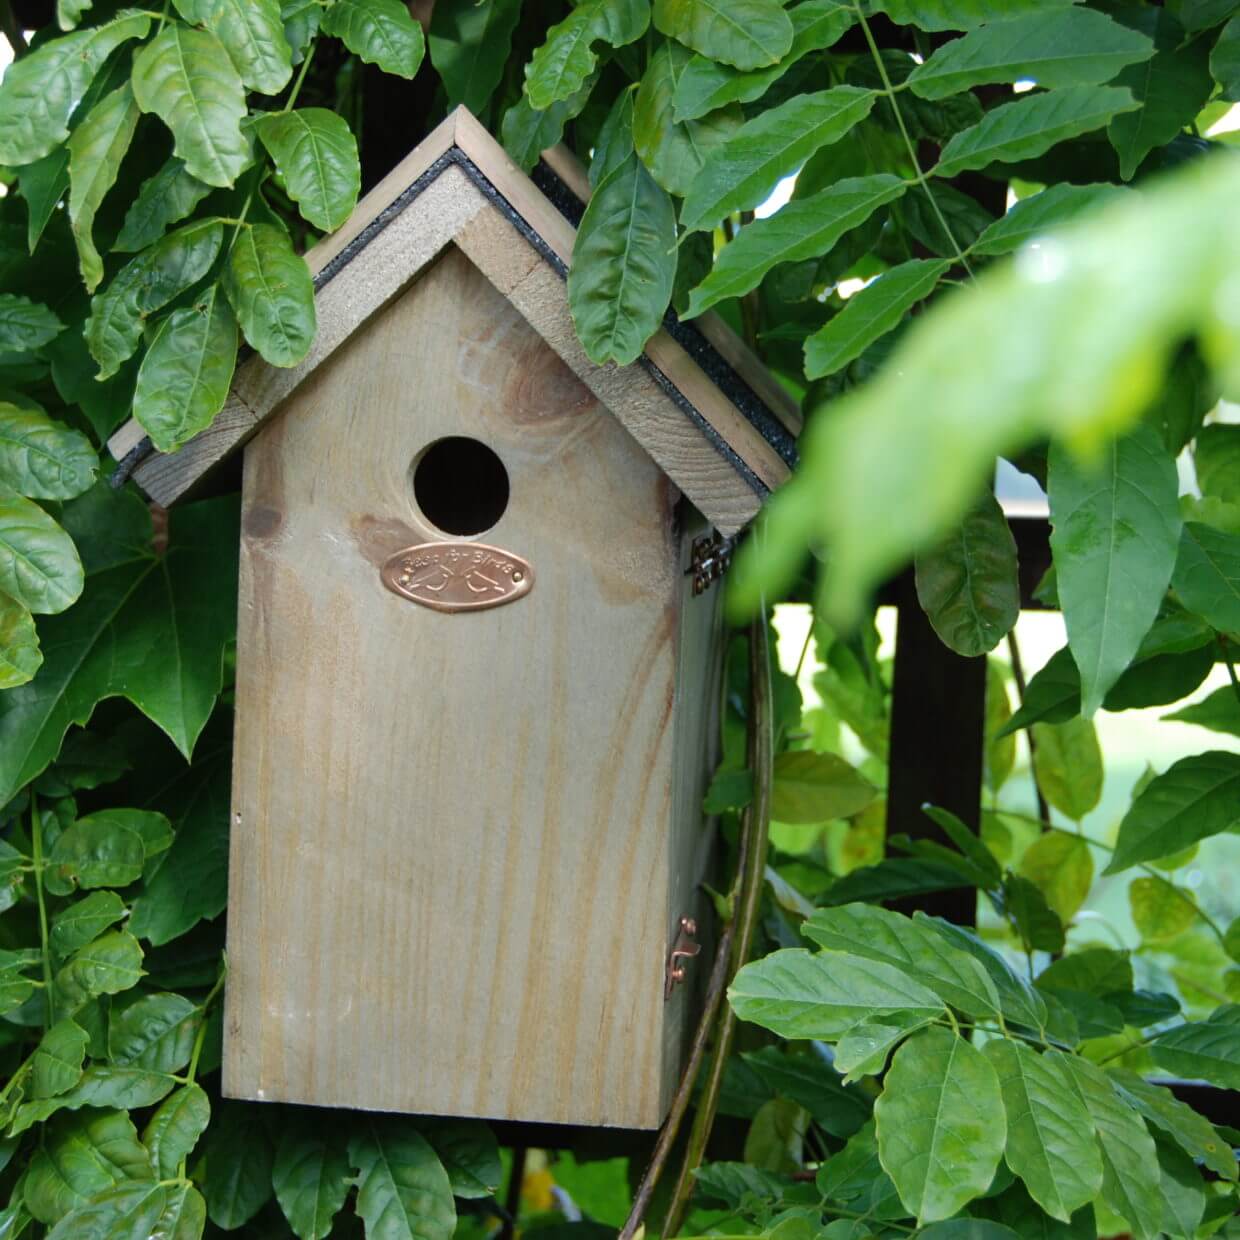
(145, 285)
(961, 14)
(813, 787)
(869, 314)
(675, 151)
(25, 324)
(39, 565)
(1220, 712)
(186, 373)
(706, 84)
(624, 264)
(1031, 125)
(311, 1179)
(746, 34)
(109, 965)
(797, 994)
(1032, 216)
(527, 132)
(469, 45)
(805, 228)
(96, 149)
(240, 1156)
(316, 154)
(1068, 46)
(1216, 456)
(184, 76)
(564, 63)
(469, 1153)
(1067, 763)
(185, 1214)
(98, 851)
(173, 1131)
(1207, 575)
(403, 1192)
(1171, 88)
(741, 173)
(79, 923)
(863, 1049)
(20, 657)
(42, 458)
(1061, 866)
(968, 585)
(1195, 798)
(381, 32)
(1160, 910)
(940, 1123)
(916, 948)
(272, 292)
(150, 629)
(164, 199)
(155, 1033)
(1225, 59)
(1114, 539)
(56, 1064)
(252, 33)
(1206, 1050)
(129, 1209)
(1050, 1139)
(1128, 1151)
(40, 91)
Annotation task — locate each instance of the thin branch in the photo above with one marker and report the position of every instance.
(1018, 674)
(512, 1198)
(11, 30)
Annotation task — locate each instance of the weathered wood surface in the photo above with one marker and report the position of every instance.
(454, 876)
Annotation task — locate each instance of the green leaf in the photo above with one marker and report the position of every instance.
(1216, 455)
(1050, 1140)
(25, 325)
(42, 458)
(1194, 1134)
(813, 787)
(164, 199)
(43, 185)
(1069, 46)
(741, 173)
(146, 284)
(968, 585)
(799, 995)
(675, 152)
(186, 373)
(706, 84)
(1204, 1050)
(311, 1179)
(173, 1131)
(1171, 88)
(381, 32)
(109, 965)
(403, 1192)
(864, 1048)
(1062, 868)
(1098, 970)
(526, 133)
(470, 1155)
(80, 1156)
(98, 852)
(1160, 910)
(1033, 216)
(153, 630)
(102, 1085)
(184, 77)
(815, 1085)
(315, 152)
(69, 12)
(126, 1210)
(1182, 1190)
(1198, 14)
(1207, 575)
(252, 33)
(185, 1214)
(241, 1158)
(1192, 800)
(623, 265)
(940, 1124)
(1068, 763)
(1225, 59)
(1128, 1151)
(805, 228)
(747, 34)
(914, 947)
(84, 920)
(39, 565)
(1033, 919)
(563, 64)
(1114, 537)
(57, 1060)
(271, 290)
(20, 657)
(869, 314)
(155, 1033)
(1031, 125)
(301, 24)
(967, 1229)
(1220, 712)
(40, 91)
(96, 149)
(961, 14)
(469, 45)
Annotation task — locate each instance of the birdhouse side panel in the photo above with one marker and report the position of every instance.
(451, 845)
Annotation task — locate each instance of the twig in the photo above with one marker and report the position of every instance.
(1018, 674)
(512, 1198)
(753, 879)
(11, 30)
(36, 841)
(680, 1104)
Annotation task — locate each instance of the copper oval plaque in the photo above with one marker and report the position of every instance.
(458, 576)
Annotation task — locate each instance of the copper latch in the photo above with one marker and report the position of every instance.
(710, 558)
(684, 948)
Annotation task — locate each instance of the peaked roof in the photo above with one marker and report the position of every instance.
(698, 401)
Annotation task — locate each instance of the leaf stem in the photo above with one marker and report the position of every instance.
(199, 1037)
(36, 843)
(301, 77)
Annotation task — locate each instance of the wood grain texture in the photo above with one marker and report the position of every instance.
(452, 874)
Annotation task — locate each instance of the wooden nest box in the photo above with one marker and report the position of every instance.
(476, 693)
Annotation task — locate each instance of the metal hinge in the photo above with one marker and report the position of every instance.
(684, 949)
(711, 558)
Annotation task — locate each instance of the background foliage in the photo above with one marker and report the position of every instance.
(165, 169)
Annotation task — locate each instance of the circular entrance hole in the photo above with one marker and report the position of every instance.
(460, 485)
